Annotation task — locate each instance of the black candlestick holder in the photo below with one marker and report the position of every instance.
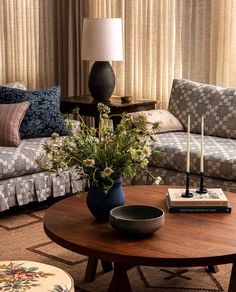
(187, 193)
(202, 189)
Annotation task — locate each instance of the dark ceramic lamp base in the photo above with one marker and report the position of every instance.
(101, 81)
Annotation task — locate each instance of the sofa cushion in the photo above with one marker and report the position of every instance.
(167, 121)
(216, 104)
(14, 95)
(219, 159)
(21, 160)
(43, 116)
(16, 84)
(11, 116)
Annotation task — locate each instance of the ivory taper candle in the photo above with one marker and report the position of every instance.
(188, 146)
(202, 146)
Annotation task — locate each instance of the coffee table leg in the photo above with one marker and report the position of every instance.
(120, 281)
(107, 266)
(91, 270)
(232, 283)
(213, 269)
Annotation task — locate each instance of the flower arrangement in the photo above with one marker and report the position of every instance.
(102, 156)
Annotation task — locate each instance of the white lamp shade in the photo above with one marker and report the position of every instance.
(102, 39)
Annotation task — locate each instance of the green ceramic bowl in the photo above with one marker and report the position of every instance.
(137, 219)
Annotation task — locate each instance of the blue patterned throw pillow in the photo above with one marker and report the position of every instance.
(14, 95)
(43, 116)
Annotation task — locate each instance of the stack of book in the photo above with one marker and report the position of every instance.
(214, 201)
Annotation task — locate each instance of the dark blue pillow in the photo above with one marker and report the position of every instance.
(43, 116)
(14, 95)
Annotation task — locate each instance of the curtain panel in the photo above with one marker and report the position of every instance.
(27, 46)
(40, 43)
(166, 39)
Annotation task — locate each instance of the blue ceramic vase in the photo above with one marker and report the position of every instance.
(100, 204)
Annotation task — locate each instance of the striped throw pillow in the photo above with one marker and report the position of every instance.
(11, 116)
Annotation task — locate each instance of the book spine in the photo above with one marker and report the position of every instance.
(200, 210)
(198, 204)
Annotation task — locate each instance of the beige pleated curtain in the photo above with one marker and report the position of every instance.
(40, 43)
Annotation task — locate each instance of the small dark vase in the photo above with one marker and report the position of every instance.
(100, 204)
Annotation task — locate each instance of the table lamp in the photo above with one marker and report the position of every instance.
(102, 42)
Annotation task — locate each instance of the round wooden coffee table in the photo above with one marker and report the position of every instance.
(184, 240)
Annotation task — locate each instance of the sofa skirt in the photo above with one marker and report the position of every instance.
(22, 190)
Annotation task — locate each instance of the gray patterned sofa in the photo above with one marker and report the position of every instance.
(218, 106)
(21, 180)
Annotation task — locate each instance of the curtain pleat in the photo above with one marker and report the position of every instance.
(68, 33)
(27, 42)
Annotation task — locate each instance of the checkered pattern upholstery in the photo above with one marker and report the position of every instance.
(219, 159)
(174, 177)
(17, 161)
(216, 104)
(36, 187)
(22, 181)
(220, 162)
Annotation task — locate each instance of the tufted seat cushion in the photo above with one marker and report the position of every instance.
(219, 159)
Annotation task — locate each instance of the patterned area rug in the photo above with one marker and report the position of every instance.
(22, 238)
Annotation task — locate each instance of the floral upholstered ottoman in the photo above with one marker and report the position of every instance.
(21, 276)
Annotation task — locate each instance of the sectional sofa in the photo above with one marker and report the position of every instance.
(218, 106)
(22, 181)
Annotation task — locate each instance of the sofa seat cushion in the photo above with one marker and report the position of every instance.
(21, 160)
(219, 159)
